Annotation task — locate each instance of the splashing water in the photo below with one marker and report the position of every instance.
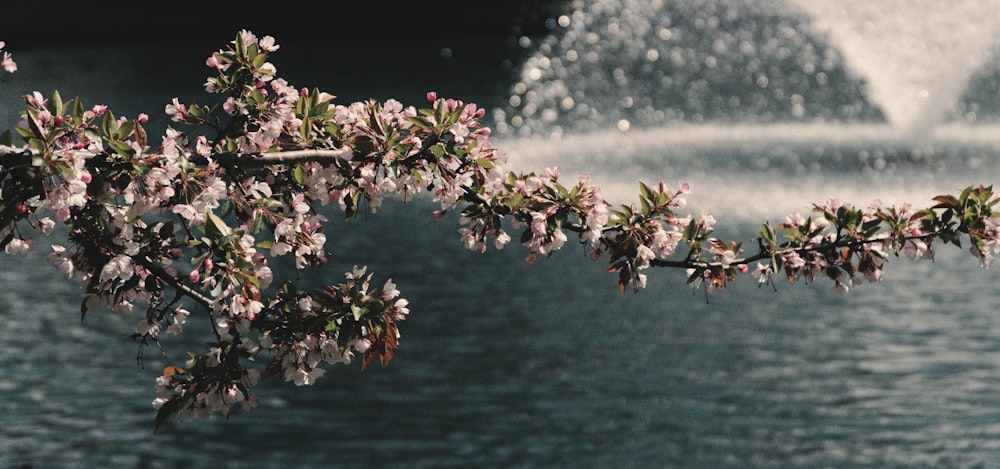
(916, 56)
(630, 63)
(766, 106)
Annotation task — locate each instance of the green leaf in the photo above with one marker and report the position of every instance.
(515, 201)
(228, 239)
(38, 146)
(121, 148)
(646, 191)
(646, 207)
(197, 259)
(225, 207)
(870, 227)
(768, 234)
(108, 125)
(240, 47)
(24, 133)
(216, 227)
(691, 231)
(965, 195)
(300, 174)
(56, 104)
(77, 110)
(259, 60)
(126, 129)
(437, 151)
(439, 111)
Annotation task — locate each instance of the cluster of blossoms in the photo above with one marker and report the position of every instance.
(849, 245)
(200, 218)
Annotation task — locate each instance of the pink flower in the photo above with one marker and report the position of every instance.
(46, 225)
(120, 266)
(763, 272)
(180, 318)
(796, 219)
(148, 327)
(62, 259)
(19, 246)
(389, 290)
(302, 376)
(213, 61)
(280, 248)
(8, 63)
(177, 111)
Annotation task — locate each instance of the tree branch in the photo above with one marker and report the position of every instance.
(162, 274)
(283, 157)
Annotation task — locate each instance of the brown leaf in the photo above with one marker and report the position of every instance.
(140, 135)
(390, 344)
(273, 368)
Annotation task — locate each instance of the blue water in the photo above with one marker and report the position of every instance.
(504, 364)
(509, 365)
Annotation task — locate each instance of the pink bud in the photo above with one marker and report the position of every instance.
(194, 276)
(432, 96)
(595, 254)
(438, 215)
(143, 118)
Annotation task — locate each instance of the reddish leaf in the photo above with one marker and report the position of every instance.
(273, 368)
